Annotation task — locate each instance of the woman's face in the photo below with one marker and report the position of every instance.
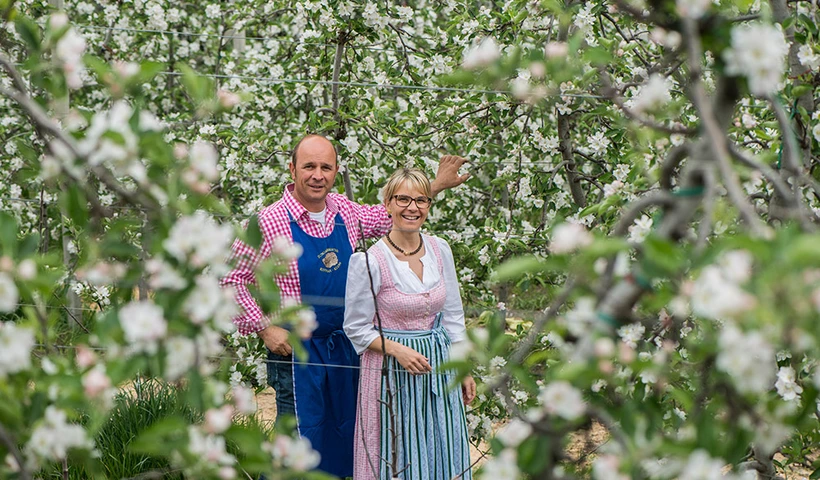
(408, 215)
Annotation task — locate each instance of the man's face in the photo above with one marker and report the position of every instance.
(314, 172)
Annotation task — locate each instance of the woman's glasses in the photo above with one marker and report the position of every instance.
(404, 201)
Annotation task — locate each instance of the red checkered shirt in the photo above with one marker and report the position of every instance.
(274, 222)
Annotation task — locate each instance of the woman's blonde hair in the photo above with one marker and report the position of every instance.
(414, 177)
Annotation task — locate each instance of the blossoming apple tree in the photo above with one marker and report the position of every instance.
(643, 173)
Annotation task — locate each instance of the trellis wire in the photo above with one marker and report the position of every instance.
(237, 359)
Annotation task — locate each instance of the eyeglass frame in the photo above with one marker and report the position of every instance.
(413, 199)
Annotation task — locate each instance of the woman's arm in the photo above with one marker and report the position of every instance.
(359, 307)
(453, 310)
(411, 360)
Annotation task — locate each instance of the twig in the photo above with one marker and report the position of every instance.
(11, 446)
(718, 143)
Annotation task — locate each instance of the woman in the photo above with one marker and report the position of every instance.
(414, 281)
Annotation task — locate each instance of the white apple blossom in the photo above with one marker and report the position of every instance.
(562, 399)
(515, 432)
(701, 466)
(787, 386)
(569, 237)
(180, 357)
(69, 52)
(748, 359)
(210, 448)
(736, 265)
(54, 437)
(204, 160)
(305, 323)
(717, 297)
(482, 54)
(631, 334)
(144, 325)
(244, 399)
(163, 275)
(502, 467)
(203, 301)
(808, 57)
(9, 295)
(294, 453)
(693, 8)
(653, 95)
(16, 343)
(758, 52)
(199, 239)
(640, 229)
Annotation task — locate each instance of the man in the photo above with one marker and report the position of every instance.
(327, 226)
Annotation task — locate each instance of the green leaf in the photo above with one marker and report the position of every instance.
(76, 206)
(161, 437)
(8, 234)
(29, 32)
(598, 56)
(519, 266)
(253, 233)
(802, 89)
(804, 251)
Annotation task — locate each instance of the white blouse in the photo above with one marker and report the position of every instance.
(359, 307)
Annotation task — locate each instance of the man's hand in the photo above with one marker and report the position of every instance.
(468, 389)
(447, 175)
(276, 339)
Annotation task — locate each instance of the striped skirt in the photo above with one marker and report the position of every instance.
(431, 441)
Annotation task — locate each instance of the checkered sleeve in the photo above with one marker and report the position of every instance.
(246, 259)
(374, 220)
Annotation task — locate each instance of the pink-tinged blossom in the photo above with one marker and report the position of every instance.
(16, 343)
(758, 52)
(607, 467)
(569, 237)
(210, 448)
(96, 383)
(217, 420)
(293, 453)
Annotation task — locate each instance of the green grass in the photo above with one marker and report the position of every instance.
(134, 411)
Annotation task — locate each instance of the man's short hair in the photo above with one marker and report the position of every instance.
(312, 135)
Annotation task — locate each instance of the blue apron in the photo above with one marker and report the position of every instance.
(325, 397)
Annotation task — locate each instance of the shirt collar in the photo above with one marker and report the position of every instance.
(298, 210)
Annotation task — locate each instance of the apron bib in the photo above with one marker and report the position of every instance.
(325, 396)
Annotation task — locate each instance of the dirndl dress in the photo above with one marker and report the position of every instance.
(431, 431)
